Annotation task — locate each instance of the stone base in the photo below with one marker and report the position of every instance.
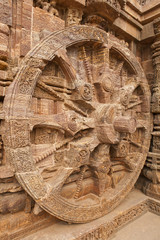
(145, 227)
(152, 190)
(132, 208)
(14, 226)
(149, 188)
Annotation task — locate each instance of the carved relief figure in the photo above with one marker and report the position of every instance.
(48, 6)
(73, 16)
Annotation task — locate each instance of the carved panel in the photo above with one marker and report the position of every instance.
(48, 6)
(114, 3)
(86, 121)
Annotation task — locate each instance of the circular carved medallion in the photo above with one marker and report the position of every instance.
(78, 123)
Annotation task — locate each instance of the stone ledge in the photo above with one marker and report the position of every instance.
(134, 206)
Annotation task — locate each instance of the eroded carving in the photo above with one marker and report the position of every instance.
(73, 16)
(114, 3)
(152, 166)
(48, 6)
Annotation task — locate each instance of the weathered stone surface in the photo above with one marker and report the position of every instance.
(3, 74)
(11, 203)
(6, 172)
(3, 65)
(40, 18)
(78, 109)
(10, 187)
(135, 207)
(6, 13)
(3, 39)
(19, 224)
(152, 169)
(4, 29)
(25, 42)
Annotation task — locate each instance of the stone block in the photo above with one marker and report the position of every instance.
(3, 39)
(3, 65)
(5, 2)
(18, 19)
(4, 29)
(28, 7)
(3, 52)
(25, 42)
(12, 203)
(3, 75)
(148, 31)
(44, 33)
(6, 172)
(44, 20)
(146, 52)
(10, 187)
(30, 2)
(3, 91)
(81, 1)
(26, 22)
(3, 45)
(35, 38)
(147, 66)
(20, 224)
(5, 14)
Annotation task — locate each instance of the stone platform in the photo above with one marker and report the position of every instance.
(139, 212)
(145, 227)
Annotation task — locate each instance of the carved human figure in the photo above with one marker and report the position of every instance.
(101, 165)
(45, 5)
(73, 17)
(52, 8)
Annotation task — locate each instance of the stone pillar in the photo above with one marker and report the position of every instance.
(151, 170)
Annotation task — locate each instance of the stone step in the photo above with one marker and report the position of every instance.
(135, 206)
(145, 227)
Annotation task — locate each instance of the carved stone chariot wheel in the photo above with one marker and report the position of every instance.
(77, 123)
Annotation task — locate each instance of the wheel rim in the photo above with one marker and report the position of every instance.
(100, 96)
